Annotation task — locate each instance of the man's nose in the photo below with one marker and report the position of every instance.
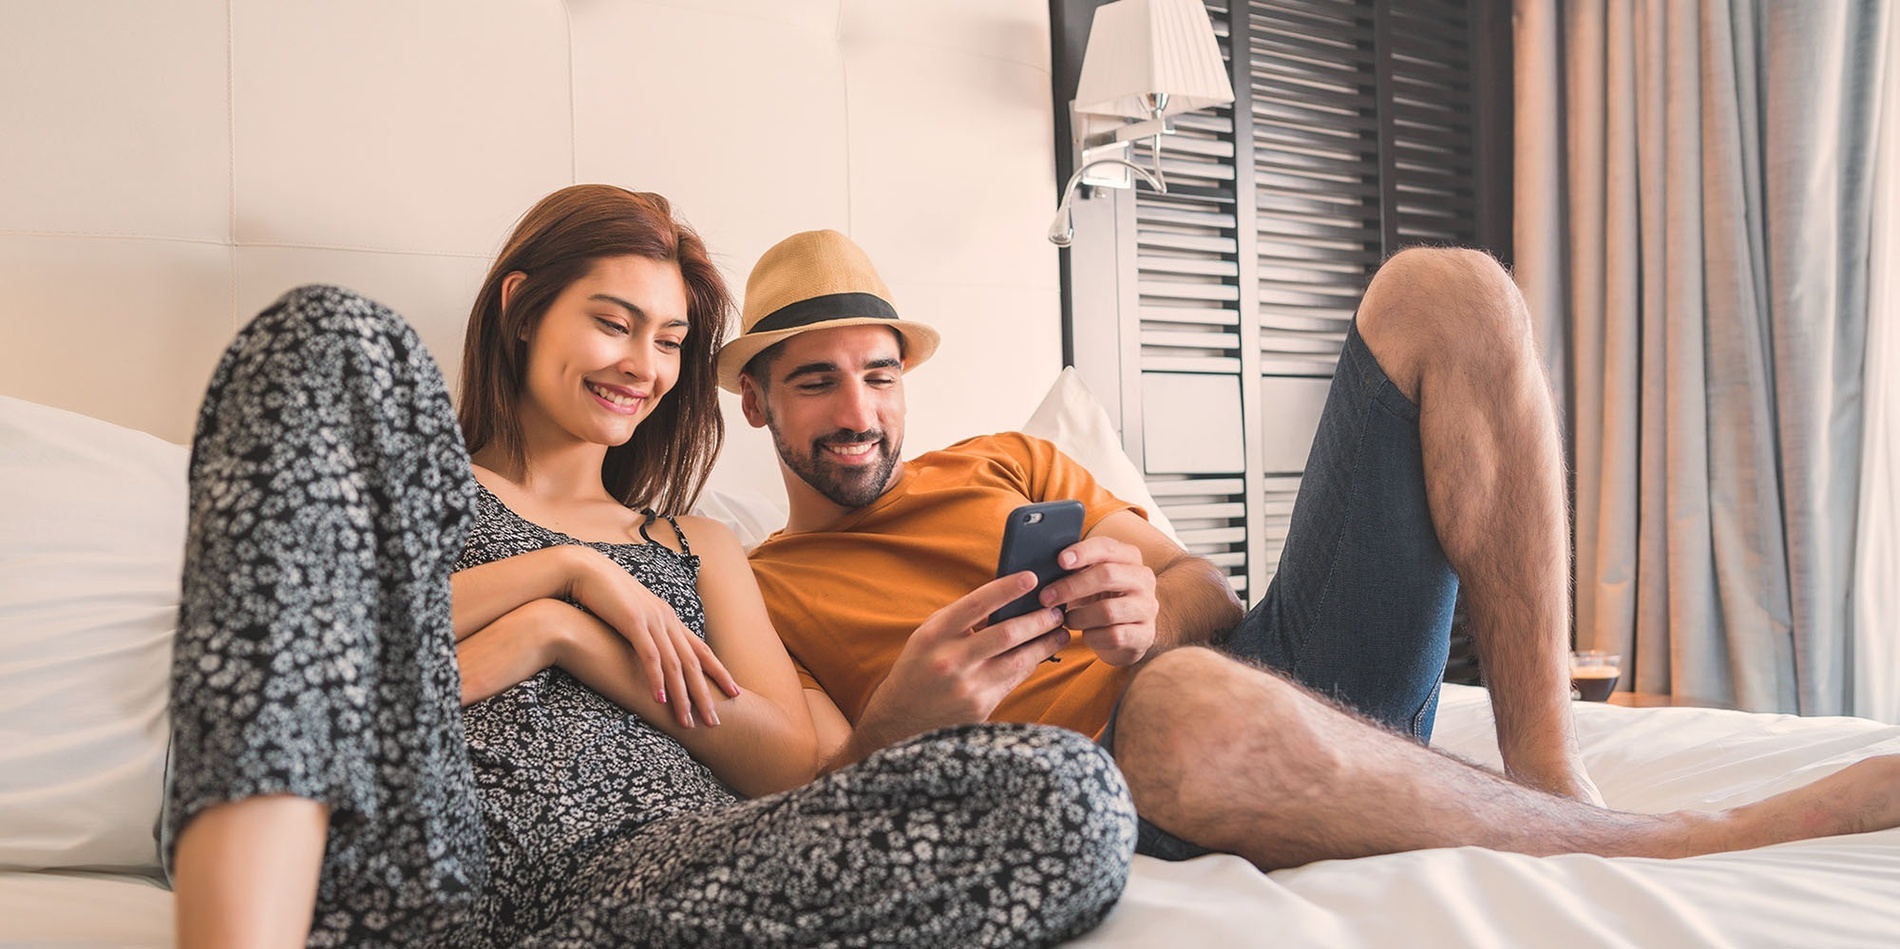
(857, 408)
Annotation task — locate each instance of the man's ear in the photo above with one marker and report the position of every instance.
(752, 400)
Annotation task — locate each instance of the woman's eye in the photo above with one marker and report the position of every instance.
(610, 326)
(670, 345)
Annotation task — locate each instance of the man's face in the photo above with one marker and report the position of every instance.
(835, 405)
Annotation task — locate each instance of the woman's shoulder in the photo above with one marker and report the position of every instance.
(702, 530)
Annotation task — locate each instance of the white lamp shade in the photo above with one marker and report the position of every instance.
(1140, 48)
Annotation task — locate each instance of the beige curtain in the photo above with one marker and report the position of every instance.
(1875, 654)
(1697, 251)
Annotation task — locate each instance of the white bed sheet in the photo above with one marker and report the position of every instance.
(1838, 891)
(58, 910)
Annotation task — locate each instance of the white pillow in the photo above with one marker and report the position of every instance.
(1072, 418)
(751, 517)
(92, 529)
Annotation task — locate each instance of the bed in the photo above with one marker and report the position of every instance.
(181, 164)
(91, 522)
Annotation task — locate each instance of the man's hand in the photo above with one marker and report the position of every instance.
(953, 670)
(1109, 597)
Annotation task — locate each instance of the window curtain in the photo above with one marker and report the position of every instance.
(1698, 254)
(1876, 595)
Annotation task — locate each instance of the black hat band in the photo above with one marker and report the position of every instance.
(831, 306)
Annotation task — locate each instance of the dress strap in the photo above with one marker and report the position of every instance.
(686, 547)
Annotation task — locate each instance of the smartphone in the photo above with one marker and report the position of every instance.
(1033, 536)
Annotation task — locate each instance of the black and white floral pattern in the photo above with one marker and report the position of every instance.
(330, 500)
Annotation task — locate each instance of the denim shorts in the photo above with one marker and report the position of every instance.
(1360, 609)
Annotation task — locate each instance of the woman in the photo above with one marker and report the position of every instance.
(326, 785)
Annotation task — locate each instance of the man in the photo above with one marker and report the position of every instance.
(1436, 461)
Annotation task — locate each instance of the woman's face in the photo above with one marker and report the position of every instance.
(605, 352)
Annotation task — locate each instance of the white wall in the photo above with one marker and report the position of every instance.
(168, 169)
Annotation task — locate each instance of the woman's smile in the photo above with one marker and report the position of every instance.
(617, 399)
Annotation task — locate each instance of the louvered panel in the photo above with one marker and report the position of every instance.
(1194, 490)
(1303, 323)
(1434, 168)
(1227, 511)
(1181, 314)
(1276, 497)
(1213, 218)
(1314, 366)
(1193, 537)
(1186, 254)
(1316, 187)
(1337, 231)
(1351, 22)
(1209, 515)
(1354, 134)
(1299, 294)
(1207, 290)
(1200, 364)
(1218, 343)
(1186, 264)
(1176, 239)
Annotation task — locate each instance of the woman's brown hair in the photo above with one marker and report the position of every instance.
(665, 463)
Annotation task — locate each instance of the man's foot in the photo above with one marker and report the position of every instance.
(1864, 796)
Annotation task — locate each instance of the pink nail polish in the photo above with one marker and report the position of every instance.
(660, 696)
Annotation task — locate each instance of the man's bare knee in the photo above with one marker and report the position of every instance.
(1430, 305)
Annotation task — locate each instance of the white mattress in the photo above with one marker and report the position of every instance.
(1839, 891)
(82, 909)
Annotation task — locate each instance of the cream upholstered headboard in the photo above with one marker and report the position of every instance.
(168, 169)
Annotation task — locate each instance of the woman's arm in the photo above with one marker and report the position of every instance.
(481, 595)
(245, 873)
(674, 663)
(778, 748)
(765, 742)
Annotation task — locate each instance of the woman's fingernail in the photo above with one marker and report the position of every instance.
(660, 696)
(712, 717)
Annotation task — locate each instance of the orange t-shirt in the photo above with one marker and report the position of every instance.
(845, 597)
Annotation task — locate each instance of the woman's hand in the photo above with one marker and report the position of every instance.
(677, 663)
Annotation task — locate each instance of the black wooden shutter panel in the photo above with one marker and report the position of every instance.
(1356, 116)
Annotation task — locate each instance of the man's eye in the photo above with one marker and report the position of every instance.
(813, 386)
(880, 381)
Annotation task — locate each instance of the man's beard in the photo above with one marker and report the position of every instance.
(846, 486)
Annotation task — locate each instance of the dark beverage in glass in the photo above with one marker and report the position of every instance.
(1594, 683)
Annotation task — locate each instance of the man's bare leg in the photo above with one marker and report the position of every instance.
(1243, 761)
(1452, 332)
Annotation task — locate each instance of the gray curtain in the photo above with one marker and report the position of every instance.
(1701, 276)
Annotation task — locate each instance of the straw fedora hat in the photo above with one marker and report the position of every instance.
(815, 280)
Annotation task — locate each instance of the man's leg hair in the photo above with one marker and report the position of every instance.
(1453, 333)
(1244, 761)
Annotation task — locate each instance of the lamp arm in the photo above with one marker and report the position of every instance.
(1062, 229)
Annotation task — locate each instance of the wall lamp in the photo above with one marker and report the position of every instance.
(1146, 60)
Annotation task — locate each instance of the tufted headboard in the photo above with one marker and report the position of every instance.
(168, 169)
